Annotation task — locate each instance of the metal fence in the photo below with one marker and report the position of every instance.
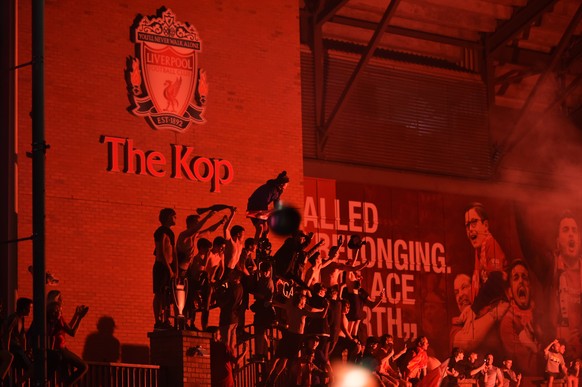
(108, 375)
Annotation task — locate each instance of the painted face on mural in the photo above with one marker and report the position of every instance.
(520, 286)
(462, 286)
(477, 229)
(568, 238)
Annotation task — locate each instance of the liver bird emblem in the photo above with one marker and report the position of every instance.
(171, 89)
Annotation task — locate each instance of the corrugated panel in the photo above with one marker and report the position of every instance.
(308, 106)
(402, 119)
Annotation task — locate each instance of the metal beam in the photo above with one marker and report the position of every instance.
(368, 25)
(329, 11)
(39, 147)
(319, 81)
(522, 19)
(522, 57)
(372, 45)
(571, 87)
(520, 129)
(574, 51)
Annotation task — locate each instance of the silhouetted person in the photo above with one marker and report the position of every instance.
(234, 237)
(163, 271)
(222, 360)
(230, 305)
(263, 289)
(259, 201)
(199, 286)
(57, 329)
(14, 335)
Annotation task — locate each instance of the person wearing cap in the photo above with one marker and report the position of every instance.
(261, 198)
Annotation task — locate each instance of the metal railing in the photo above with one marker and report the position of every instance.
(251, 373)
(120, 375)
(108, 375)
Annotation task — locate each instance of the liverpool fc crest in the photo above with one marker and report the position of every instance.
(164, 82)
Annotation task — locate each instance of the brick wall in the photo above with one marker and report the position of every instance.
(173, 352)
(99, 223)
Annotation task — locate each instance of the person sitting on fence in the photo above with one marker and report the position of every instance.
(14, 337)
(5, 355)
(57, 328)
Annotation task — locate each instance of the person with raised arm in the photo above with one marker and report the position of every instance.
(260, 200)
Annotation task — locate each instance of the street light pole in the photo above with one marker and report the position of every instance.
(38, 192)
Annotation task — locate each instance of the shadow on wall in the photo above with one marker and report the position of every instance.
(102, 346)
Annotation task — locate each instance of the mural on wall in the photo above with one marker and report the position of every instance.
(487, 275)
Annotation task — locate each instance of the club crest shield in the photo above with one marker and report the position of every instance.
(165, 85)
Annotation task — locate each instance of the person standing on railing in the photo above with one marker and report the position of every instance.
(234, 237)
(165, 267)
(290, 344)
(230, 304)
(259, 201)
(247, 266)
(199, 286)
(222, 360)
(262, 289)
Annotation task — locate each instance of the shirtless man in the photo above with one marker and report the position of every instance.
(234, 244)
(165, 267)
(214, 267)
(199, 288)
(186, 242)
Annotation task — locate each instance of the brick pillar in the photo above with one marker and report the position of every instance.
(174, 351)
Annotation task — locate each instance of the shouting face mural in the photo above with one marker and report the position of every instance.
(477, 227)
(519, 285)
(568, 240)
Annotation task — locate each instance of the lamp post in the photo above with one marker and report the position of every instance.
(38, 191)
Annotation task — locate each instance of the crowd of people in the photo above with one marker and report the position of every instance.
(17, 343)
(317, 302)
(318, 305)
